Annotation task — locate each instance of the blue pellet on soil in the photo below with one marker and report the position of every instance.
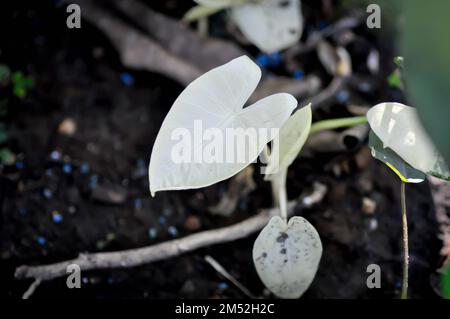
(127, 79)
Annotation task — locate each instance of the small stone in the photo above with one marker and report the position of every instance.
(110, 237)
(109, 195)
(368, 206)
(57, 217)
(262, 60)
(137, 203)
(47, 193)
(67, 127)
(41, 240)
(223, 286)
(93, 181)
(364, 87)
(173, 231)
(55, 156)
(298, 74)
(84, 168)
(167, 211)
(342, 96)
(152, 233)
(188, 287)
(162, 220)
(373, 224)
(192, 223)
(20, 165)
(127, 79)
(67, 168)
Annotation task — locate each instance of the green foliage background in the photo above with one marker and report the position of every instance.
(425, 45)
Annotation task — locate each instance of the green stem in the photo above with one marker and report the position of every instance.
(404, 294)
(337, 123)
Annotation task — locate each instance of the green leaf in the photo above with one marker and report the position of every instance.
(446, 284)
(292, 137)
(5, 73)
(399, 128)
(427, 64)
(395, 81)
(6, 156)
(398, 60)
(198, 12)
(3, 135)
(21, 84)
(406, 172)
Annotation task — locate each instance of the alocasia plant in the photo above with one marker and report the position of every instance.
(286, 254)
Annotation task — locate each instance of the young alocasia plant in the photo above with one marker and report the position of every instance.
(398, 139)
(271, 25)
(399, 129)
(286, 254)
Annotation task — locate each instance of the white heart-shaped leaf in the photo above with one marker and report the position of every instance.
(406, 172)
(399, 128)
(290, 141)
(286, 257)
(204, 113)
(271, 25)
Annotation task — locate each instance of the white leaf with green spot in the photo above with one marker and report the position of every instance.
(287, 257)
(398, 127)
(290, 141)
(271, 25)
(404, 171)
(216, 99)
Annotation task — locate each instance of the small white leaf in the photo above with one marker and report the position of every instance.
(399, 128)
(286, 257)
(291, 139)
(215, 100)
(198, 12)
(271, 25)
(219, 3)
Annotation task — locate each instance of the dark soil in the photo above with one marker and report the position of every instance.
(99, 184)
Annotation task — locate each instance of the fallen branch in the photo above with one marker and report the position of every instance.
(350, 22)
(176, 51)
(203, 52)
(168, 249)
(136, 50)
(144, 255)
